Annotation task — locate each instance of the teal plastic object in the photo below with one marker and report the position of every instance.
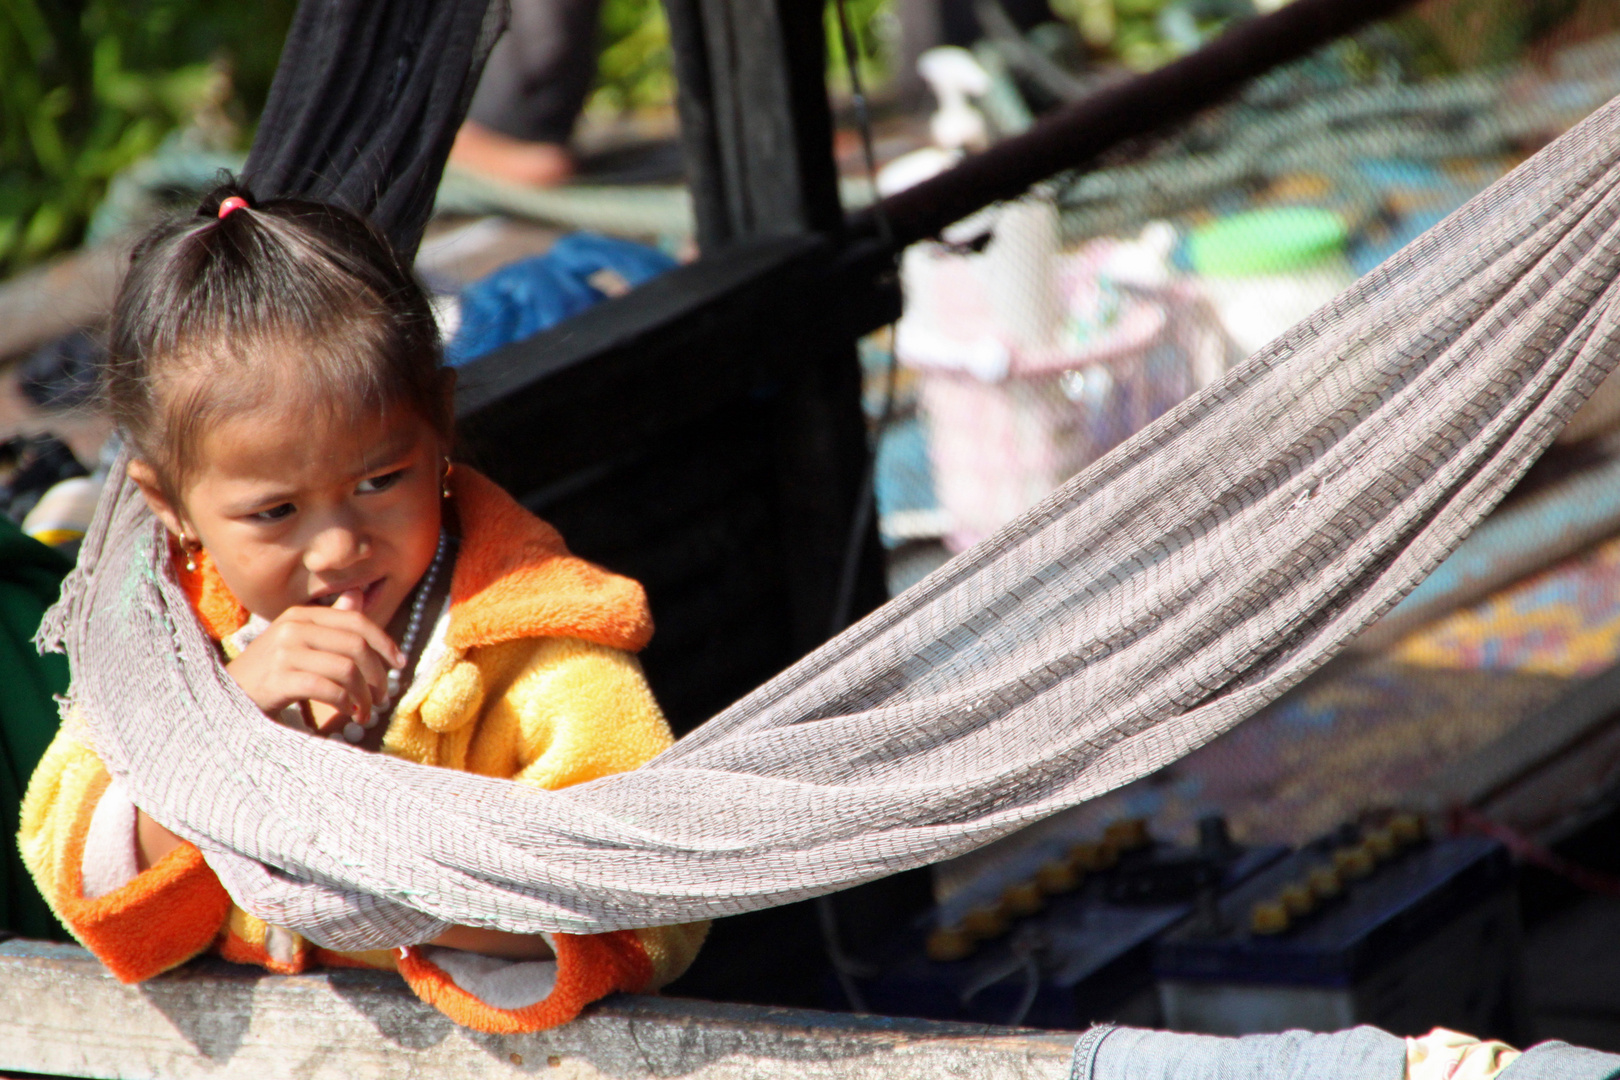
(1272, 241)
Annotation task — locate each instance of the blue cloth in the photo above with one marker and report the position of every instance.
(523, 298)
(1561, 1061)
(1362, 1053)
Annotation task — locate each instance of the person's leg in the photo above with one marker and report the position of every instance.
(531, 93)
(1361, 1053)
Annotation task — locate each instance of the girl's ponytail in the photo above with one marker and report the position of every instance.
(227, 196)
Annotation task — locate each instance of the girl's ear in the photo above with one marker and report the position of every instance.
(145, 478)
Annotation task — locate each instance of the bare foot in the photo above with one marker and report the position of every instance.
(487, 151)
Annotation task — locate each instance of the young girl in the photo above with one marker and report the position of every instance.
(275, 370)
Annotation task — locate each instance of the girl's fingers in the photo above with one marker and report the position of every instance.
(354, 622)
(342, 671)
(351, 647)
(307, 686)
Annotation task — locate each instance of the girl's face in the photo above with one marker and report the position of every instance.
(298, 510)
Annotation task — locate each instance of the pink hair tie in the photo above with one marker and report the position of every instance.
(234, 202)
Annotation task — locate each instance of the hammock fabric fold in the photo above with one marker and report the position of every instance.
(366, 101)
(1159, 598)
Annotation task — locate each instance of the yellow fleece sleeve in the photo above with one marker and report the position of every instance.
(61, 796)
(163, 917)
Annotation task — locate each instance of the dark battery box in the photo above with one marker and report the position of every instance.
(1422, 936)
(1086, 954)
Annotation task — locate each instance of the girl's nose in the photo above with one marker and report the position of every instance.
(336, 548)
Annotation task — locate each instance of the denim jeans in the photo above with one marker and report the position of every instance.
(1363, 1053)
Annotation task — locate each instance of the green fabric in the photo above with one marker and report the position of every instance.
(1273, 241)
(30, 576)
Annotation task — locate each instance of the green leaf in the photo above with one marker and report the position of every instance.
(44, 232)
(10, 233)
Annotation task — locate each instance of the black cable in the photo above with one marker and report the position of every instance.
(844, 602)
(847, 969)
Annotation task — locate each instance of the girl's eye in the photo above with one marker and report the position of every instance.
(275, 513)
(374, 484)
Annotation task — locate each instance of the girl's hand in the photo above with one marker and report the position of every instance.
(332, 655)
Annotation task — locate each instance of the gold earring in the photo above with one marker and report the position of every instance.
(190, 547)
(444, 481)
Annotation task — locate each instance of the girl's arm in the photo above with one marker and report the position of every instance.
(152, 841)
(566, 712)
(81, 840)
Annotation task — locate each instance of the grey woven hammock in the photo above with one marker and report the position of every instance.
(1159, 598)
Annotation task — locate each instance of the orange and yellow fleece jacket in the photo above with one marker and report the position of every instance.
(529, 676)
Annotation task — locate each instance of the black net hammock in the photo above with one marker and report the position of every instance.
(1160, 597)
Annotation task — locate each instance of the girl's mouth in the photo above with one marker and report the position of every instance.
(368, 594)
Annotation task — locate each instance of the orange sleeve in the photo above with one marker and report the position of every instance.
(589, 966)
(158, 920)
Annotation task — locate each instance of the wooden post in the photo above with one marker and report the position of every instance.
(756, 127)
(757, 135)
(62, 1014)
(757, 132)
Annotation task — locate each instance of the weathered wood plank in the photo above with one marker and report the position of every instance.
(62, 1014)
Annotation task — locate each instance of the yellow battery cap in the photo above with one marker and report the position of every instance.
(1024, 898)
(1407, 829)
(1380, 844)
(1298, 899)
(1353, 862)
(1268, 917)
(1057, 877)
(1127, 834)
(1090, 856)
(950, 943)
(985, 922)
(1325, 882)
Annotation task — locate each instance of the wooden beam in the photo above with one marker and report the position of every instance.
(62, 1014)
(683, 346)
(755, 123)
(1073, 137)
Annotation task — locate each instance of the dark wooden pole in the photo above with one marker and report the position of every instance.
(756, 127)
(1074, 136)
(757, 136)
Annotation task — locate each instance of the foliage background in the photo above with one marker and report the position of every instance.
(89, 86)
